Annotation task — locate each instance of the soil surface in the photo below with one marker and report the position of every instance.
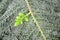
(46, 12)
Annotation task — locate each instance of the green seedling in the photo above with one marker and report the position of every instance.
(21, 18)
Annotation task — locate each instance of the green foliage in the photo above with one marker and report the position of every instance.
(47, 15)
(21, 18)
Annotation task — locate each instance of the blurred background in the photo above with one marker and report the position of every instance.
(46, 12)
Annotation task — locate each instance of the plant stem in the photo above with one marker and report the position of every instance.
(27, 14)
(35, 20)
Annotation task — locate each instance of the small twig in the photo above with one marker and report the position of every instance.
(35, 20)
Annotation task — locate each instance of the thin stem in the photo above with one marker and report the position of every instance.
(27, 14)
(35, 20)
